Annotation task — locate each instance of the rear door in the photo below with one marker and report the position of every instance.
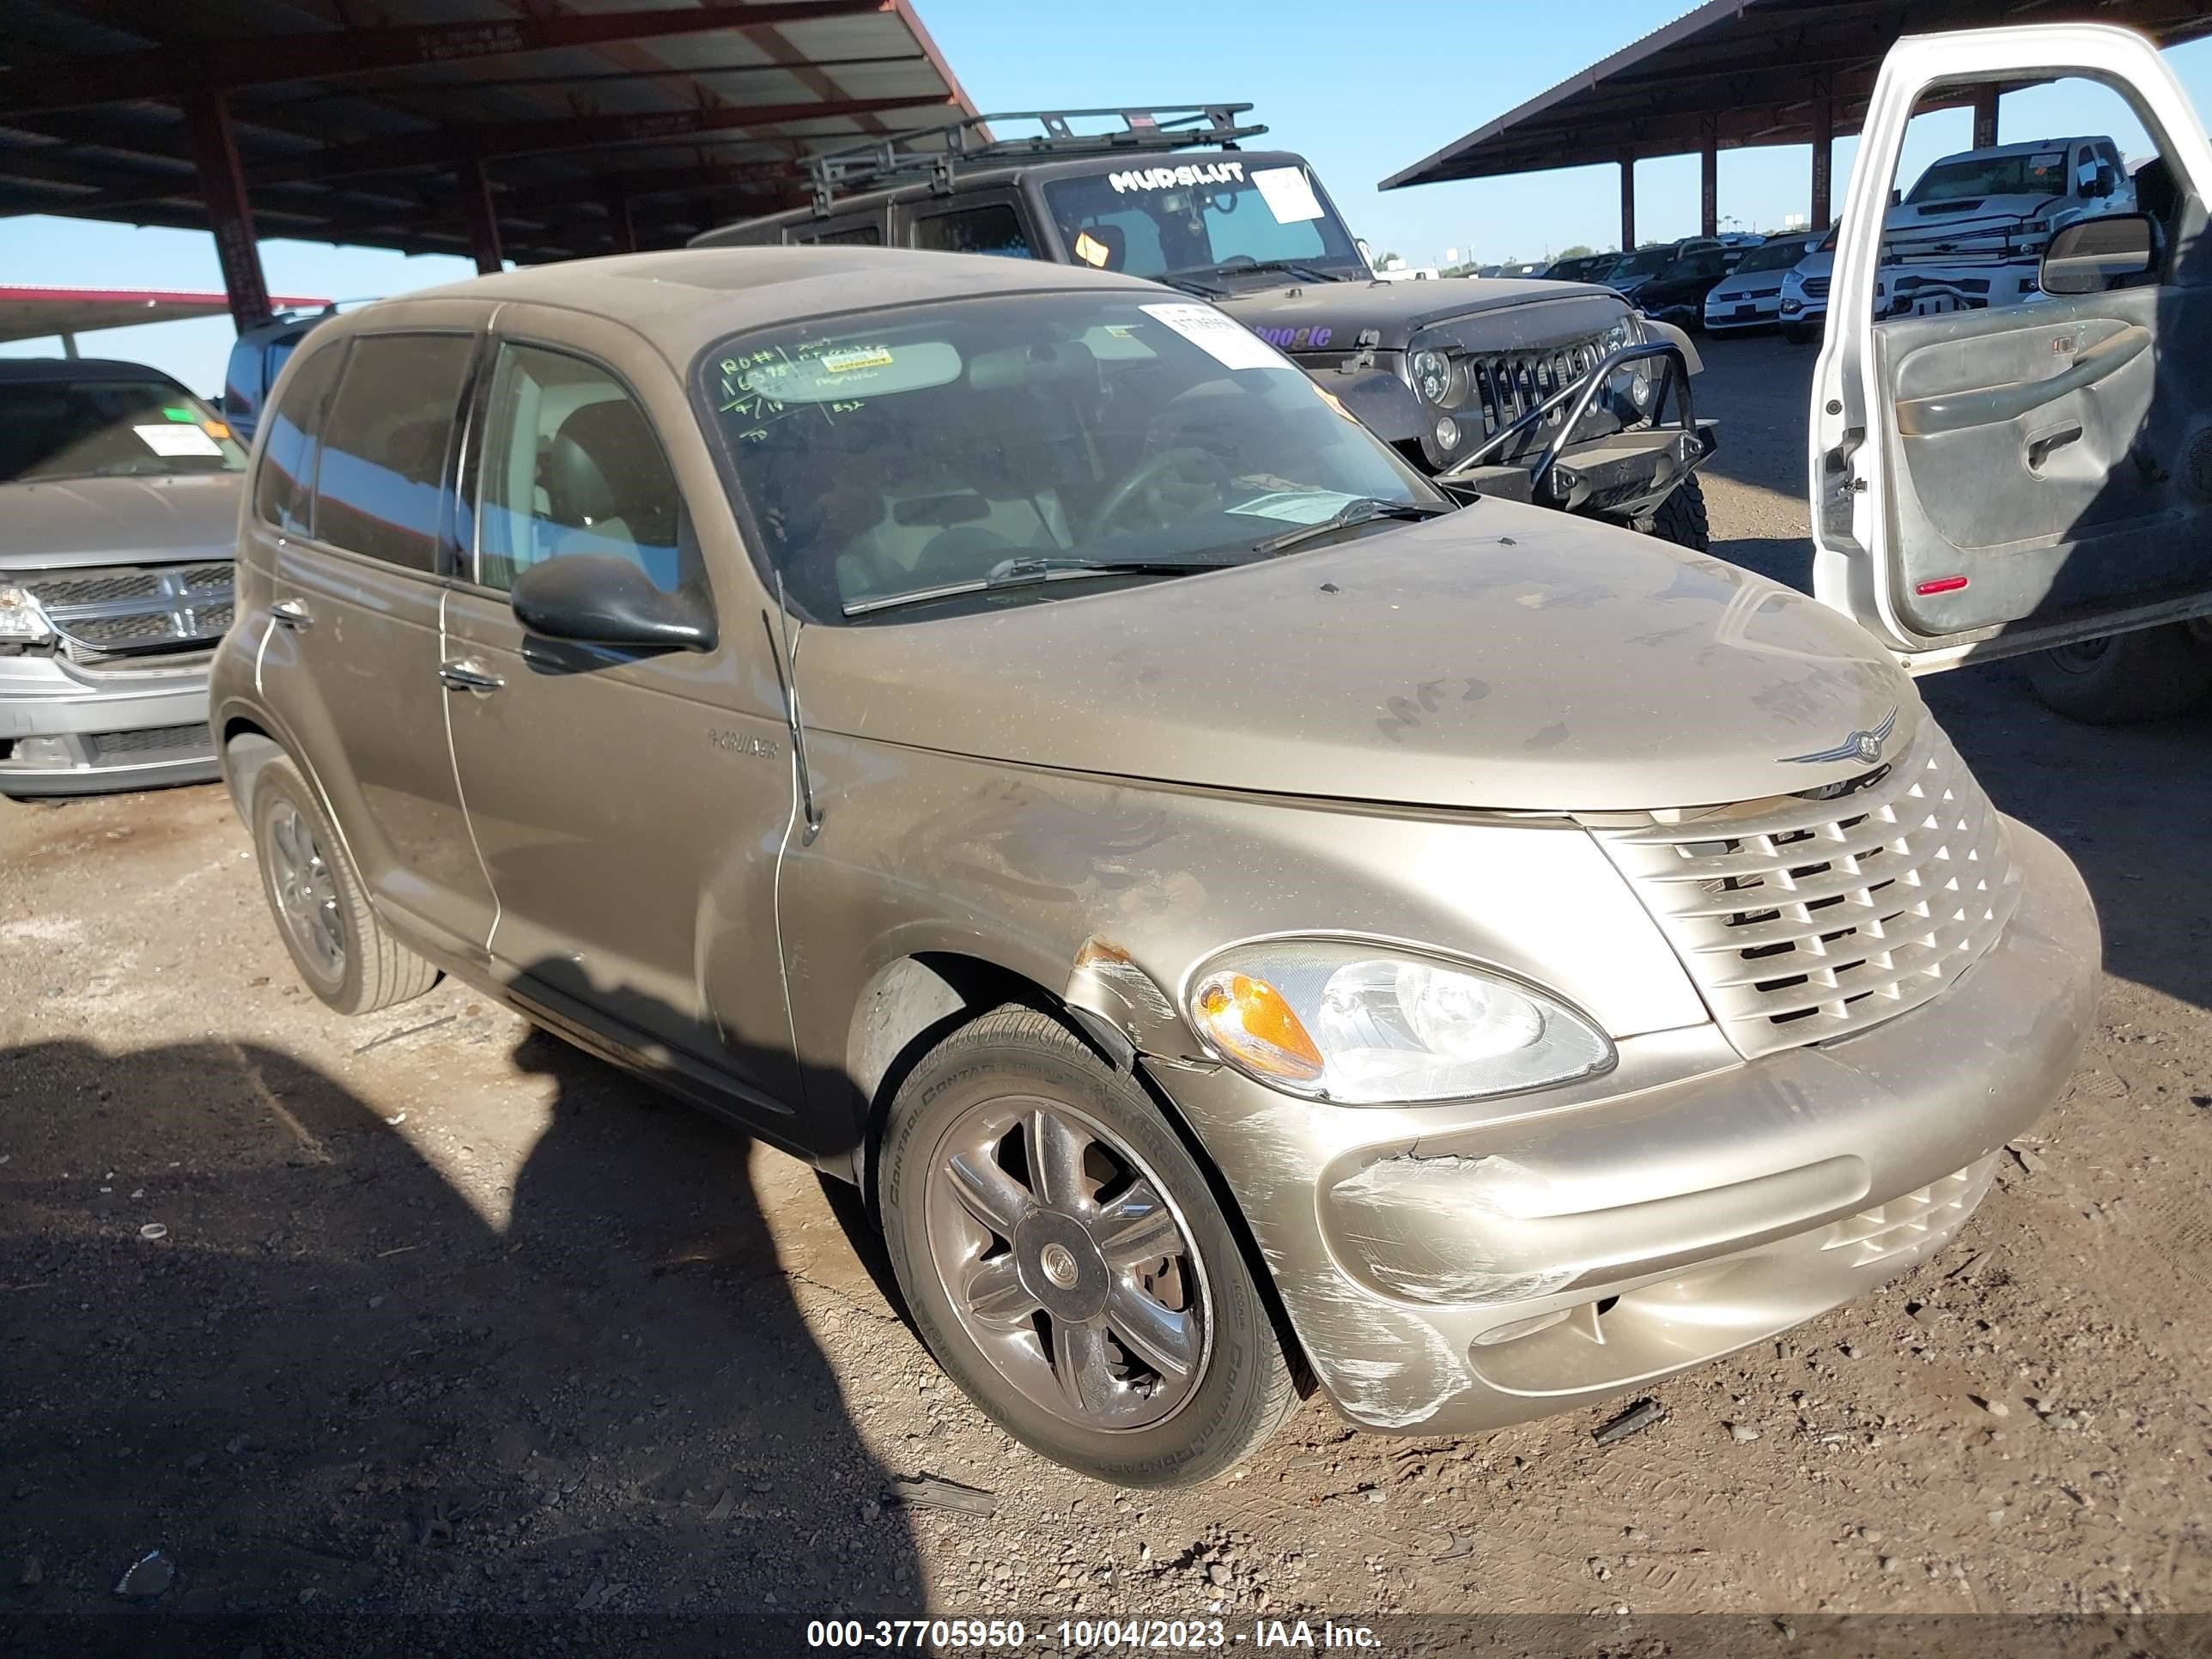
(1994, 481)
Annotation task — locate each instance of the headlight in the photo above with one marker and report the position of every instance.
(1367, 1024)
(1628, 331)
(21, 618)
(1432, 376)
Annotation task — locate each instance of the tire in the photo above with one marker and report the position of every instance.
(2147, 675)
(343, 952)
(1681, 517)
(1104, 1257)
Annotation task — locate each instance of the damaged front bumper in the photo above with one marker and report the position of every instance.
(1453, 1269)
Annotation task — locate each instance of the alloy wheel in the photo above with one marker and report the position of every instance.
(306, 891)
(1067, 1264)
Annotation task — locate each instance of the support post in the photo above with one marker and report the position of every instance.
(69, 348)
(621, 221)
(484, 222)
(1824, 159)
(1709, 182)
(1985, 116)
(230, 215)
(1628, 205)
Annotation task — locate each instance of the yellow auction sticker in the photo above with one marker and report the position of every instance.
(843, 363)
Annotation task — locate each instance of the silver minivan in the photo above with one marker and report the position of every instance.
(1246, 920)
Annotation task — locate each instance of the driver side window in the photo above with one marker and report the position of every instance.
(571, 464)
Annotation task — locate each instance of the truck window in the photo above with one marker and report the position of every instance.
(993, 227)
(1201, 216)
(867, 235)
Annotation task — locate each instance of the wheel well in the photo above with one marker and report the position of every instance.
(915, 1003)
(245, 750)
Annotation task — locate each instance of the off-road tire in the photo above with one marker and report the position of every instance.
(377, 970)
(1681, 517)
(2151, 674)
(1245, 1387)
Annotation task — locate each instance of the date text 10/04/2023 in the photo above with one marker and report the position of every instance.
(1087, 1635)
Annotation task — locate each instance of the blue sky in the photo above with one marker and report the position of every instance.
(1360, 90)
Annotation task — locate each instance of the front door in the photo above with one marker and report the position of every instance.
(1995, 480)
(630, 807)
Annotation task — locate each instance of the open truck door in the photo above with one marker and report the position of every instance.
(1990, 481)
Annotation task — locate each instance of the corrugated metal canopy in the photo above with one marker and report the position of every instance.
(594, 123)
(1735, 73)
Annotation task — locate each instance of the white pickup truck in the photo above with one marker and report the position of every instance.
(1972, 229)
(1993, 482)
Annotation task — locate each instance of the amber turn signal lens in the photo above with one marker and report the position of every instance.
(1248, 1020)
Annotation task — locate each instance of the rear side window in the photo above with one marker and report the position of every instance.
(850, 236)
(993, 228)
(381, 486)
(284, 488)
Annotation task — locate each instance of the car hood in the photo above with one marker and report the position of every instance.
(88, 521)
(1538, 312)
(1503, 657)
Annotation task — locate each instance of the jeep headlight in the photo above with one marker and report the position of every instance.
(1432, 376)
(21, 618)
(1628, 331)
(1364, 1024)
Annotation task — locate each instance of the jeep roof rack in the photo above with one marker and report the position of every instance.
(880, 162)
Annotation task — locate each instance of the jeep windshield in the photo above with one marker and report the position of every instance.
(2043, 173)
(1000, 449)
(93, 428)
(1201, 222)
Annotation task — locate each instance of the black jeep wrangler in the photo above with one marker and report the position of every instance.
(1556, 392)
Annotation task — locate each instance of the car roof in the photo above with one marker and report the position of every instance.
(23, 370)
(683, 299)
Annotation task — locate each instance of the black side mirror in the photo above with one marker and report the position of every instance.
(1896, 199)
(596, 598)
(2091, 255)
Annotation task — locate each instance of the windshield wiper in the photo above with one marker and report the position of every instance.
(1366, 510)
(1030, 571)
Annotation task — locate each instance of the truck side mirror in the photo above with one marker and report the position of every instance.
(1897, 199)
(2091, 255)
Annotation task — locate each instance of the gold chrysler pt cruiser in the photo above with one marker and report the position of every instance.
(1247, 921)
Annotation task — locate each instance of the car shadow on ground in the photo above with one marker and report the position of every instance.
(246, 1323)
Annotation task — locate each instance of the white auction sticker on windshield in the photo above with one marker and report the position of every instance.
(1297, 506)
(1288, 193)
(169, 439)
(1229, 343)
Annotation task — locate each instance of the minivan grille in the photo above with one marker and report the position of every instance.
(134, 608)
(1802, 921)
(1503, 386)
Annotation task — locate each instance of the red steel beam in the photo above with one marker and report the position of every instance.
(174, 72)
(230, 215)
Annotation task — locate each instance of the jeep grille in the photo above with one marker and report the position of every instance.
(1802, 921)
(1503, 386)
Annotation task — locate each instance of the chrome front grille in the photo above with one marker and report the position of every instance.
(127, 609)
(1804, 920)
(1503, 386)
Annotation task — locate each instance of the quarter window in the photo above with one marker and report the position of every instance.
(284, 488)
(993, 228)
(381, 488)
(571, 466)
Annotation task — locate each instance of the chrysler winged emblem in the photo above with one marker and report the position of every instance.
(1858, 745)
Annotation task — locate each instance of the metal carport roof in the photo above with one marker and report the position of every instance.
(31, 313)
(1734, 73)
(534, 131)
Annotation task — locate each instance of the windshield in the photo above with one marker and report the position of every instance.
(2043, 173)
(1649, 263)
(893, 451)
(1202, 218)
(91, 428)
(1772, 256)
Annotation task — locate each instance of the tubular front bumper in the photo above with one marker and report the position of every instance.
(135, 730)
(1454, 1269)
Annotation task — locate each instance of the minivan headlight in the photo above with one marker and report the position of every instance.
(1370, 1024)
(21, 618)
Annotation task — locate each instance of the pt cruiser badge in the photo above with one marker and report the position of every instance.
(1859, 745)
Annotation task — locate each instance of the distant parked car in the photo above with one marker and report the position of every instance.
(1750, 296)
(119, 515)
(1583, 268)
(1677, 293)
(1633, 270)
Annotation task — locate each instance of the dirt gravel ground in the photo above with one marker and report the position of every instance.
(427, 1316)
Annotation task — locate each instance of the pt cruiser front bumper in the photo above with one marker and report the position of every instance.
(1456, 1268)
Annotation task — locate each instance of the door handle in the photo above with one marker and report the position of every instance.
(293, 614)
(469, 675)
